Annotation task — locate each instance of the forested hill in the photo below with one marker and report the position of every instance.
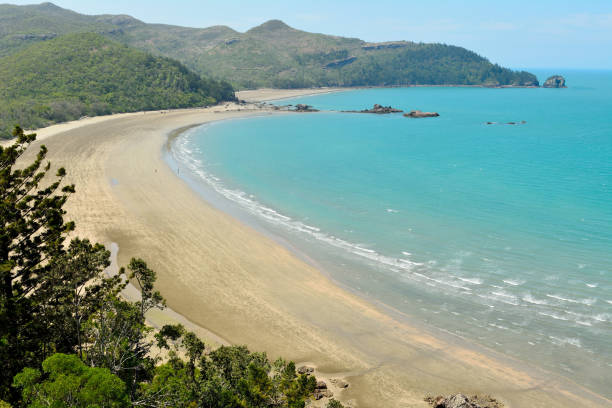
(87, 74)
(272, 54)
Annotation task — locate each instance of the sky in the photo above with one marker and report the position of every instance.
(517, 33)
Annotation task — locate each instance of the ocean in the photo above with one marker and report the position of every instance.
(498, 233)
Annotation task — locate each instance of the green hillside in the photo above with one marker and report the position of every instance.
(87, 74)
(272, 54)
(21, 26)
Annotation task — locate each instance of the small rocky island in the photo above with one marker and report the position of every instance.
(555, 81)
(420, 114)
(304, 108)
(378, 109)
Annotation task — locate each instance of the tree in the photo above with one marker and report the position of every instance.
(71, 291)
(32, 231)
(116, 333)
(68, 382)
(116, 337)
(145, 278)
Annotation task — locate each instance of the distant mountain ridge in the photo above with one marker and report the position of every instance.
(272, 54)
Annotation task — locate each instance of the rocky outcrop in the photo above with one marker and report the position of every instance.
(305, 370)
(461, 401)
(322, 391)
(340, 63)
(526, 83)
(384, 45)
(339, 383)
(36, 37)
(522, 122)
(304, 108)
(419, 114)
(378, 109)
(555, 81)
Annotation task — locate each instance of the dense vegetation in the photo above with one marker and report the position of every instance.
(67, 337)
(272, 54)
(86, 74)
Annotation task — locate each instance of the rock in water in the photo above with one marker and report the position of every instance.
(555, 81)
(378, 109)
(304, 108)
(420, 114)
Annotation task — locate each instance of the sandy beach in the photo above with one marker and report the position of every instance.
(237, 286)
(271, 94)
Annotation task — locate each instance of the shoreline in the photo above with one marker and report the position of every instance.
(237, 283)
(272, 94)
(217, 199)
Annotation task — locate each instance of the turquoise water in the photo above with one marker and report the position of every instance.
(499, 233)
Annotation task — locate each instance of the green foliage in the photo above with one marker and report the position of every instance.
(145, 278)
(68, 338)
(277, 55)
(229, 377)
(334, 403)
(32, 230)
(274, 54)
(68, 382)
(86, 74)
(69, 293)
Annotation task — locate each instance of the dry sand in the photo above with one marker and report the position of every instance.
(243, 288)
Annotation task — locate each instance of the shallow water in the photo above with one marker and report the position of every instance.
(499, 233)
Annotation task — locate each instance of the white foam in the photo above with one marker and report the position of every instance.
(503, 294)
(530, 299)
(592, 285)
(602, 317)
(502, 299)
(554, 316)
(391, 210)
(404, 266)
(587, 302)
(566, 340)
(442, 282)
(248, 202)
(473, 281)
(514, 282)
